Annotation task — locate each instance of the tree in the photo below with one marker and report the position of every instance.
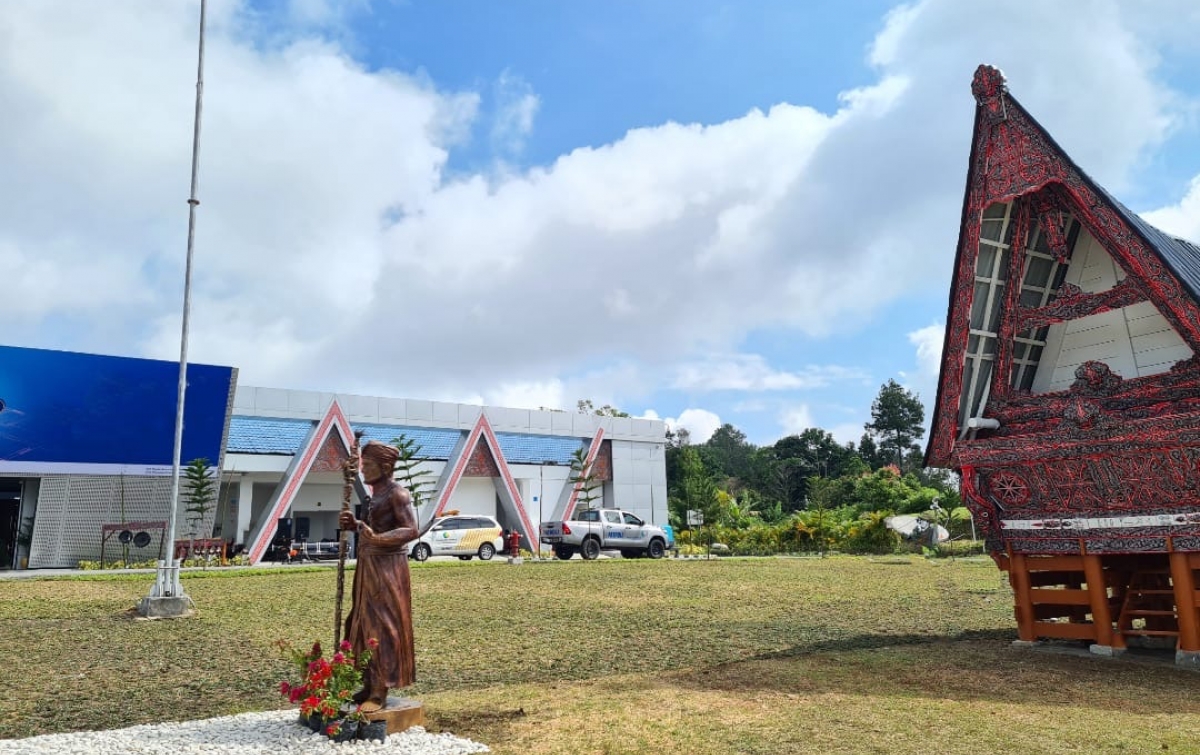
(199, 495)
(870, 454)
(583, 478)
(408, 470)
(821, 500)
(693, 490)
(897, 421)
(678, 437)
(728, 452)
(585, 406)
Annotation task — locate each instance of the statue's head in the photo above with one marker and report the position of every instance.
(382, 457)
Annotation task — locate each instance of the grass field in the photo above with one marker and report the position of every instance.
(776, 655)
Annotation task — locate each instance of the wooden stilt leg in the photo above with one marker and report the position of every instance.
(1185, 602)
(1018, 573)
(1093, 571)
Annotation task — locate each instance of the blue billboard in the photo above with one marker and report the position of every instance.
(68, 413)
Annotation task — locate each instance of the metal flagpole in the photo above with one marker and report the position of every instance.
(167, 584)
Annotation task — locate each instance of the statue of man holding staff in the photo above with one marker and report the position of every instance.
(382, 593)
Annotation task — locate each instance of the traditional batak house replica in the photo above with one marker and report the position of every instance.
(1069, 396)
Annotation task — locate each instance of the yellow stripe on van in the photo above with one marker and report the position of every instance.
(475, 538)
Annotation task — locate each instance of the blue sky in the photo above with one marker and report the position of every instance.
(702, 211)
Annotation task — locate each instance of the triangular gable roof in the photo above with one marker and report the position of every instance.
(333, 429)
(570, 493)
(1013, 156)
(482, 439)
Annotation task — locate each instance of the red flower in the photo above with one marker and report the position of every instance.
(345, 646)
(373, 643)
(339, 658)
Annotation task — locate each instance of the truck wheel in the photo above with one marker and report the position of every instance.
(486, 551)
(421, 552)
(564, 552)
(590, 550)
(656, 549)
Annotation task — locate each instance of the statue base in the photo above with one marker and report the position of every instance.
(401, 714)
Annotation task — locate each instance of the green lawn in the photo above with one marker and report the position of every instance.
(845, 655)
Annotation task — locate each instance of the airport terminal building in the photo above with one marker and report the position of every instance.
(86, 444)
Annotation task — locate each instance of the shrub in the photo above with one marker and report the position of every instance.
(870, 534)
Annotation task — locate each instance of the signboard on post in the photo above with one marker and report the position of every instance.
(695, 518)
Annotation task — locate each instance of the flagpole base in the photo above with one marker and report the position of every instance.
(167, 600)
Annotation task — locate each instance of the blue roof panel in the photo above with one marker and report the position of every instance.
(264, 435)
(519, 448)
(435, 442)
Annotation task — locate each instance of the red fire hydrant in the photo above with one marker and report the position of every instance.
(514, 543)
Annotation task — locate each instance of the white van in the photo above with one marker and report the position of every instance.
(462, 535)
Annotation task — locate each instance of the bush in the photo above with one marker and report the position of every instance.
(841, 529)
(870, 534)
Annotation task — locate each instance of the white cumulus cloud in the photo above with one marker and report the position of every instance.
(334, 250)
(700, 424)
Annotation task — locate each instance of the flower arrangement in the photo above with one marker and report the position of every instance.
(327, 687)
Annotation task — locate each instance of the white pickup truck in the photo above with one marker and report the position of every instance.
(594, 530)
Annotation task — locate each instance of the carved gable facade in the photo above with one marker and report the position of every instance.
(1069, 396)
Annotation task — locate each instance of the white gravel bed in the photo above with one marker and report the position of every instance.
(270, 733)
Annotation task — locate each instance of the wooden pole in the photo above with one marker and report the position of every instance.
(349, 474)
(1018, 574)
(1186, 607)
(1093, 571)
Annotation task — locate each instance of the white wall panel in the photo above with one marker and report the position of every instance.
(642, 472)
(1158, 360)
(305, 402)
(444, 413)
(360, 408)
(540, 422)
(584, 425)
(468, 415)
(393, 409)
(270, 400)
(420, 411)
(622, 427)
(562, 422)
(474, 495)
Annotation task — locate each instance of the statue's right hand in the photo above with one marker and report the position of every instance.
(347, 521)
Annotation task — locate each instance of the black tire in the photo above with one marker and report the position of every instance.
(590, 550)
(486, 551)
(421, 552)
(656, 549)
(564, 552)
(465, 558)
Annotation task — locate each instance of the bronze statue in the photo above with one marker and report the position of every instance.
(382, 608)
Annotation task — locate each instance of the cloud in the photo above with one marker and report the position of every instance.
(750, 372)
(516, 105)
(335, 251)
(1182, 219)
(700, 424)
(846, 432)
(532, 395)
(796, 419)
(928, 341)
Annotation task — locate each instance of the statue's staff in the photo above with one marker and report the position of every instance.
(350, 469)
